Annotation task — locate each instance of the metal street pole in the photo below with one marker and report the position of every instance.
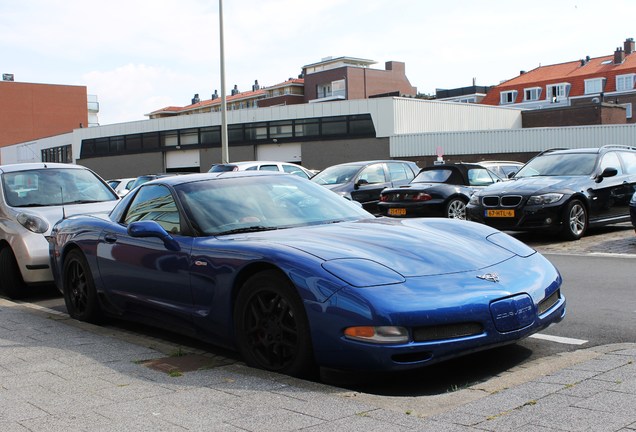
(225, 157)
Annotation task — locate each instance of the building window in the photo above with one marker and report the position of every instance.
(334, 126)
(281, 129)
(61, 154)
(595, 85)
(628, 110)
(625, 82)
(508, 97)
(532, 94)
(558, 92)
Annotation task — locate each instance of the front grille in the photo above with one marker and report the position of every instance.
(547, 303)
(490, 201)
(510, 200)
(447, 331)
(504, 201)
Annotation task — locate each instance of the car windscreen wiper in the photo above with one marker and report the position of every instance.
(85, 201)
(255, 228)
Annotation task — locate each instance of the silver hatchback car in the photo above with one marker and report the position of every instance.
(33, 197)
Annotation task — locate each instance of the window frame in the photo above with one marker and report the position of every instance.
(510, 97)
(594, 85)
(625, 79)
(536, 90)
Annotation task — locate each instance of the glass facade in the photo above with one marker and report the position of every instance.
(323, 128)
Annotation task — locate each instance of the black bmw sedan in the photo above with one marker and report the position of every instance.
(562, 191)
(438, 190)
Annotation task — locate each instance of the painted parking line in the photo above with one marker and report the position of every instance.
(559, 339)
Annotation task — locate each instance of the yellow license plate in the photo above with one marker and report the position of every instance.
(500, 213)
(397, 212)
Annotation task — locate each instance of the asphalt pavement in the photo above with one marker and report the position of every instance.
(57, 374)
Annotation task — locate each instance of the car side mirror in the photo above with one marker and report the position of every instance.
(607, 172)
(149, 228)
(361, 182)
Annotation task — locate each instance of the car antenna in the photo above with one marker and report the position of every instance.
(62, 197)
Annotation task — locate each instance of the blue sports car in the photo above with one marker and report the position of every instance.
(294, 276)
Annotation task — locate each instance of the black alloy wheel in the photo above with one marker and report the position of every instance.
(574, 222)
(271, 326)
(80, 295)
(11, 282)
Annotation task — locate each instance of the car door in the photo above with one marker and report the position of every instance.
(369, 182)
(610, 196)
(139, 274)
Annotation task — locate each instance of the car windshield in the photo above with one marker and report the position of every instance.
(563, 164)
(432, 176)
(54, 186)
(337, 174)
(244, 204)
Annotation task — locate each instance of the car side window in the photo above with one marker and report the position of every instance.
(629, 161)
(610, 160)
(295, 170)
(155, 202)
(479, 177)
(373, 174)
(268, 168)
(398, 171)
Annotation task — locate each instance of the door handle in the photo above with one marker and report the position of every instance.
(110, 238)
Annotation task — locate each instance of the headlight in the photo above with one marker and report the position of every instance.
(550, 198)
(33, 223)
(380, 334)
(474, 199)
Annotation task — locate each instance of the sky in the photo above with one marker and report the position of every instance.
(138, 56)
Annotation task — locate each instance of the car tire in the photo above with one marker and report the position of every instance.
(271, 327)
(574, 221)
(80, 295)
(11, 282)
(456, 209)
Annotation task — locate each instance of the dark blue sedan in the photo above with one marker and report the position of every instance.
(294, 276)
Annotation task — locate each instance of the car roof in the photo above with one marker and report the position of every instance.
(369, 162)
(37, 165)
(194, 177)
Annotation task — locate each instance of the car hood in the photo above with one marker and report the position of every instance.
(533, 185)
(412, 247)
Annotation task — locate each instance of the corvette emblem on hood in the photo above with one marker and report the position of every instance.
(491, 277)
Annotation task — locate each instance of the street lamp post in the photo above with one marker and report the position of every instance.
(225, 158)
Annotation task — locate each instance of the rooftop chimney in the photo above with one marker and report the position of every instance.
(629, 46)
(619, 55)
(255, 86)
(215, 95)
(196, 99)
(235, 90)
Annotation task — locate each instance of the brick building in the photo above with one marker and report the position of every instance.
(29, 111)
(588, 91)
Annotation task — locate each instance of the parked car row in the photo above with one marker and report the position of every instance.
(294, 276)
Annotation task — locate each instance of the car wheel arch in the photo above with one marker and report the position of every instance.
(247, 272)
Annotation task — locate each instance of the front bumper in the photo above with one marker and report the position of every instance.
(31, 251)
(447, 316)
(545, 218)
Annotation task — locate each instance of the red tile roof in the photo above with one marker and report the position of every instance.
(575, 73)
(217, 101)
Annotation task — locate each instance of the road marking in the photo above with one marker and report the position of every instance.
(559, 339)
